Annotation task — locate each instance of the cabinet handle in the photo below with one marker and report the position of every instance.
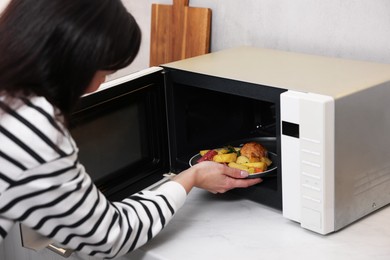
(60, 251)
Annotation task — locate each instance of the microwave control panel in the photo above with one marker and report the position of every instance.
(307, 144)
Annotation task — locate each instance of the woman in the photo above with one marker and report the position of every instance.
(52, 52)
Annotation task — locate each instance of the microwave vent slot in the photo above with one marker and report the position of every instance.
(369, 180)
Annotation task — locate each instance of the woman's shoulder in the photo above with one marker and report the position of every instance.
(33, 130)
(35, 113)
(25, 104)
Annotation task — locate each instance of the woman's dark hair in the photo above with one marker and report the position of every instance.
(53, 48)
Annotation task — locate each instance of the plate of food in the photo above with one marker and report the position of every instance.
(252, 157)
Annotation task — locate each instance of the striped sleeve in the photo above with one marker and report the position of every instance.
(43, 186)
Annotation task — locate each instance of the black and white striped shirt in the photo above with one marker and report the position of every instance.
(43, 186)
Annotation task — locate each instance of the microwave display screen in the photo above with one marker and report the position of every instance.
(290, 129)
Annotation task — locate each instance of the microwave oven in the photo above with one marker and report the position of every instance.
(327, 119)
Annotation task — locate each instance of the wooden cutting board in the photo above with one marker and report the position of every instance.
(178, 32)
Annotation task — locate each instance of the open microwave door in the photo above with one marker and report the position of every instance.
(121, 132)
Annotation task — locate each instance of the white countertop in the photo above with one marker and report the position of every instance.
(225, 226)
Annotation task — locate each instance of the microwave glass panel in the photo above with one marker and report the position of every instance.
(111, 141)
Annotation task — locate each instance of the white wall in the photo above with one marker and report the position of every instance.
(355, 29)
(3, 3)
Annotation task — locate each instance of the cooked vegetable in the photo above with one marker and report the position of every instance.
(266, 160)
(225, 158)
(203, 152)
(208, 156)
(231, 149)
(233, 157)
(238, 166)
(259, 165)
(241, 167)
(242, 159)
(222, 151)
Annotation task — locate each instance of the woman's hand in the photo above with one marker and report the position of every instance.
(214, 177)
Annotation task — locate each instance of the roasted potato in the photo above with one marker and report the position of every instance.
(203, 152)
(258, 165)
(225, 158)
(242, 159)
(241, 167)
(266, 160)
(238, 166)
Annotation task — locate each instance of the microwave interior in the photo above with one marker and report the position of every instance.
(207, 112)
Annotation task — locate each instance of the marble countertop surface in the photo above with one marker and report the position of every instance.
(225, 226)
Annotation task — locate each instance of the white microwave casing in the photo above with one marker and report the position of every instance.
(337, 169)
(308, 161)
